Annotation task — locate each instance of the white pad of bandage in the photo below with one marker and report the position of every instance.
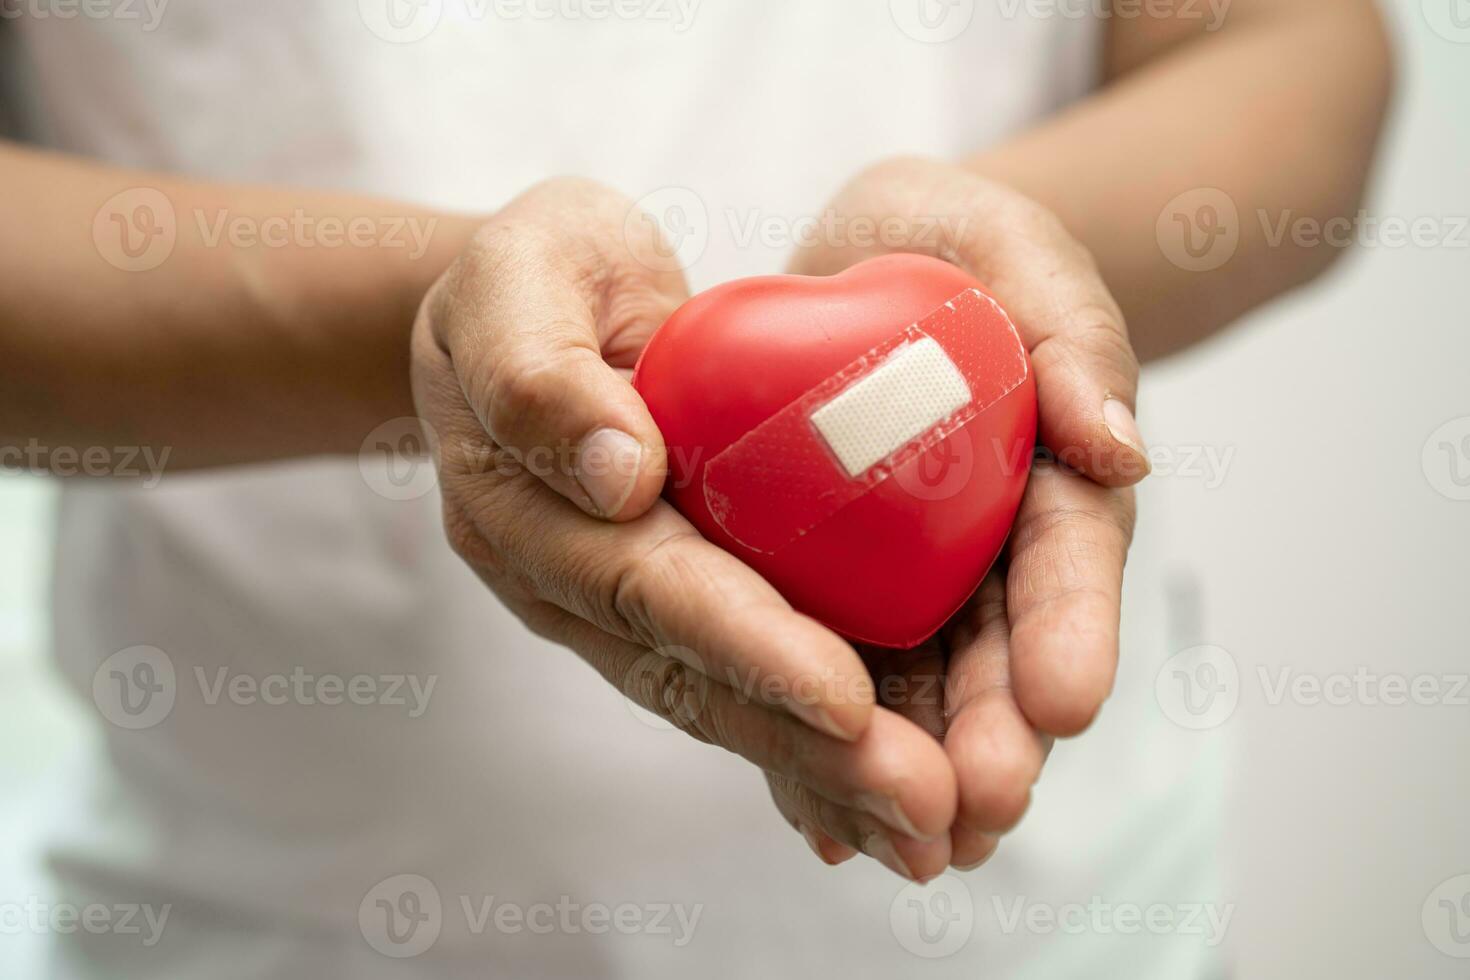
(913, 390)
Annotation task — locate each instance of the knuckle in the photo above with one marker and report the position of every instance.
(523, 389)
(1105, 336)
(835, 823)
(624, 597)
(476, 543)
(674, 692)
(628, 594)
(468, 541)
(793, 793)
(505, 553)
(574, 222)
(640, 307)
(1096, 336)
(1073, 533)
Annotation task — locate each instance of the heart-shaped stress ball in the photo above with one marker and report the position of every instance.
(862, 441)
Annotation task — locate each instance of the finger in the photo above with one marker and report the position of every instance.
(654, 582)
(553, 289)
(997, 755)
(969, 849)
(827, 849)
(657, 583)
(1086, 371)
(895, 772)
(916, 860)
(1063, 593)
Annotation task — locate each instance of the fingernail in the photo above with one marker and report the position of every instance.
(1124, 426)
(880, 848)
(821, 719)
(607, 469)
(886, 808)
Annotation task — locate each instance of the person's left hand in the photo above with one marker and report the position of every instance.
(1032, 655)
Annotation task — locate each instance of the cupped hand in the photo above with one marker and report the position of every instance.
(1032, 656)
(550, 469)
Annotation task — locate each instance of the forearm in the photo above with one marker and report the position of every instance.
(277, 326)
(1280, 109)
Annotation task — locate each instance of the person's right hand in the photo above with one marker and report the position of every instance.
(551, 467)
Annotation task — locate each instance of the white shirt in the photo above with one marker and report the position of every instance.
(278, 835)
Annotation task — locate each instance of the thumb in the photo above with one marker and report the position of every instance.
(1086, 389)
(1086, 370)
(552, 291)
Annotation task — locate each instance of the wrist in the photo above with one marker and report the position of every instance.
(340, 318)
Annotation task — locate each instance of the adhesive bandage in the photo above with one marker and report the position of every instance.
(849, 433)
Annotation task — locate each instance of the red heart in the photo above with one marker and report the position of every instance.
(776, 394)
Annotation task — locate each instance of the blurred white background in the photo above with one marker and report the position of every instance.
(1331, 546)
(1332, 550)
